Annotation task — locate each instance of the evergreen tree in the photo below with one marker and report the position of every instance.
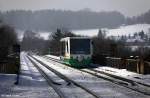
(54, 40)
(8, 38)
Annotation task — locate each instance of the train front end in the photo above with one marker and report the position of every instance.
(79, 51)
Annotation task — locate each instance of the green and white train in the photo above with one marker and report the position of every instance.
(76, 51)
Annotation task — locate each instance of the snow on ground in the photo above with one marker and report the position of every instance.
(120, 72)
(6, 84)
(20, 34)
(125, 74)
(31, 84)
(130, 29)
(123, 30)
(45, 35)
(101, 87)
(70, 91)
(89, 33)
(52, 56)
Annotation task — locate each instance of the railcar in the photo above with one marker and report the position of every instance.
(76, 51)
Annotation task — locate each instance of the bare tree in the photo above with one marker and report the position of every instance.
(32, 42)
(54, 40)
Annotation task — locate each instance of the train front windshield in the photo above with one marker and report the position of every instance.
(80, 46)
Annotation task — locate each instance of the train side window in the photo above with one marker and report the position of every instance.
(67, 47)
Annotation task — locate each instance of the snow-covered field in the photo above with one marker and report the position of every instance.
(130, 29)
(125, 74)
(122, 30)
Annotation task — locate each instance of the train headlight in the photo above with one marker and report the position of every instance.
(80, 58)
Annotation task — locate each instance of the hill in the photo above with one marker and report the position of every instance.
(50, 20)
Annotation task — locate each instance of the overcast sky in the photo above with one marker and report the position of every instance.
(127, 7)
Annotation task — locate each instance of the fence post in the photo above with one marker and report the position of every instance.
(141, 66)
(16, 50)
(123, 64)
(138, 66)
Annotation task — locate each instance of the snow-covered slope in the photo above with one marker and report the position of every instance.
(130, 29)
(89, 32)
(123, 30)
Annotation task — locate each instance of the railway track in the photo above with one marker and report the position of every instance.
(130, 84)
(48, 79)
(52, 83)
(121, 78)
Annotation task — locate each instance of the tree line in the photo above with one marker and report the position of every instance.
(34, 43)
(50, 20)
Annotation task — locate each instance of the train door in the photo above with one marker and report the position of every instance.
(67, 49)
(62, 48)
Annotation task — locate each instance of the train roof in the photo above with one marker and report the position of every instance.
(68, 38)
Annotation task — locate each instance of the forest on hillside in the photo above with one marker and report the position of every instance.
(50, 20)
